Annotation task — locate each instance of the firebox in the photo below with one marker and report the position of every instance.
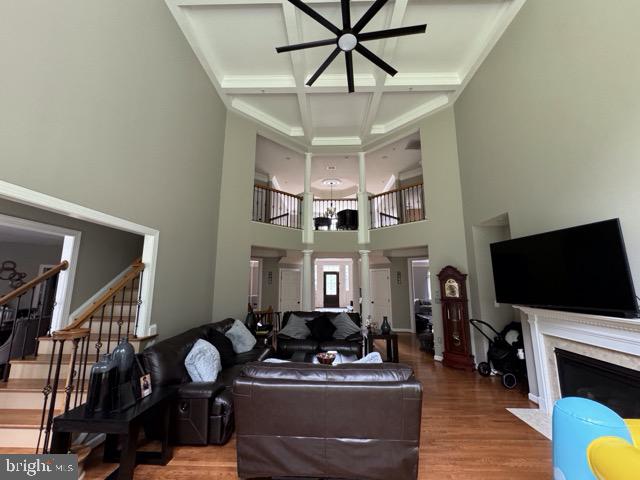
(612, 385)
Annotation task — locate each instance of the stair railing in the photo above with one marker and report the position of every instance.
(114, 314)
(25, 315)
(395, 207)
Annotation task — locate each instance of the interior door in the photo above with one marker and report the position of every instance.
(331, 289)
(380, 296)
(290, 289)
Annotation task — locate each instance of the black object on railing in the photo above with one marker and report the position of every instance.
(25, 315)
(276, 207)
(325, 212)
(403, 205)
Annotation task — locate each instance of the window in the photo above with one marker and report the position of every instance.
(347, 280)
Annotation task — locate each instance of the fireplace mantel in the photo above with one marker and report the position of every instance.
(615, 334)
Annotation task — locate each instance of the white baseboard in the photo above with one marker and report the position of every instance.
(534, 398)
(97, 295)
(438, 358)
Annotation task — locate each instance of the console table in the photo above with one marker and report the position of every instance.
(123, 426)
(391, 340)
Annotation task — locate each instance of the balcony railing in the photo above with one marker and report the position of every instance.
(326, 214)
(276, 207)
(403, 205)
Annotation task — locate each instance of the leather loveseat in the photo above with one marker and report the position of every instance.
(350, 421)
(287, 346)
(203, 411)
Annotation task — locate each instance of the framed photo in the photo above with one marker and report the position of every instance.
(145, 385)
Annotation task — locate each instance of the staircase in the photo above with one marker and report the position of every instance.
(24, 405)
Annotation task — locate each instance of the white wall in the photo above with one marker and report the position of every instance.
(28, 258)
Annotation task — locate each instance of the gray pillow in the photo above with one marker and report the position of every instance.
(344, 326)
(296, 328)
(241, 338)
(203, 362)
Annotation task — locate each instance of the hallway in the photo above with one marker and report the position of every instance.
(467, 433)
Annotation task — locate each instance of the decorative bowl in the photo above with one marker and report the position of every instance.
(326, 358)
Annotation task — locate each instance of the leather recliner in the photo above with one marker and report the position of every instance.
(350, 421)
(203, 411)
(287, 346)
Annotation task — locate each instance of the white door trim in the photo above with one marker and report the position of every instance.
(259, 260)
(388, 270)
(70, 249)
(280, 284)
(33, 198)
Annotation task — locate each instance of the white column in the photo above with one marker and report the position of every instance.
(307, 203)
(365, 308)
(363, 202)
(307, 280)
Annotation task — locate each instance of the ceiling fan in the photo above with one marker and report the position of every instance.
(349, 38)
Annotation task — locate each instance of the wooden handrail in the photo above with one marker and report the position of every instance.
(271, 189)
(71, 334)
(135, 270)
(397, 190)
(32, 283)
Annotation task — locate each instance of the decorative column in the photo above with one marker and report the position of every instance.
(307, 203)
(307, 280)
(365, 294)
(363, 202)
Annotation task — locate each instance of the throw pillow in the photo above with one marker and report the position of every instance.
(240, 337)
(203, 362)
(224, 347)
(344, 326)
(296, 328)
(321, 329)
(373, 357)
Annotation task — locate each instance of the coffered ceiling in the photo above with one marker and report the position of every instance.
(235, 41)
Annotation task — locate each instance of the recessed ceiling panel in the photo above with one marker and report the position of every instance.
(340, 113)
(283, 107)
(395, 104)
(241, 39)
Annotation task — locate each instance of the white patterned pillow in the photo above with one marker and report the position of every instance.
(344, 326)
(241, 338)
(203, 362)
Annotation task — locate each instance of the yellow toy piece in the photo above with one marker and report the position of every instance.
(613, 458)
(634, 429)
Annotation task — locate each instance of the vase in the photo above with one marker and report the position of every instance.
(385, 328)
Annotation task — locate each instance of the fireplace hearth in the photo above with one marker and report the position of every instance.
(612, 385)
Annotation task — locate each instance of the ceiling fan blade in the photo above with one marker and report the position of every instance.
(301, 46)
(392, 32)
(323, 67)
(316, 16)
(346, 14)
(368, 15)
(365, 52)
(348, 56)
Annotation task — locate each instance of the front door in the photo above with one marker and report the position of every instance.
(331, 289)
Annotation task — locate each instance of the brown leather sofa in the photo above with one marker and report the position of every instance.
(203, 411)
(287, 346)
(350, 421)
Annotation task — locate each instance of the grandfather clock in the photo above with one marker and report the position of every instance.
(455, 319)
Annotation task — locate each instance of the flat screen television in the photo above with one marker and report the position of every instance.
(581, 269)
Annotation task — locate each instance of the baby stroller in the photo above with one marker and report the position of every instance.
(505, 354)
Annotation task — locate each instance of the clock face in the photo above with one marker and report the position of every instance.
(451, 289)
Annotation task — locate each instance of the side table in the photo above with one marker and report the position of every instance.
(391, 340)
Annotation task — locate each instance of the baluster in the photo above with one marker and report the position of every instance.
(68, 388)
(99, 340)
(113, 307)
(27, 325)
(54, 394)
(140, 277)
(133, 287)
(46, 391)
(41, 296)
(79, 376)
(120, 322)
(84, 360)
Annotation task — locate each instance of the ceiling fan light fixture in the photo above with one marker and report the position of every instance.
(347, 42)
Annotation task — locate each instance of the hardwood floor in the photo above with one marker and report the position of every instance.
(467, 433)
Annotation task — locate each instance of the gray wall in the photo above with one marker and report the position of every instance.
(105, 105)
(28, 258)
(400, 303)
(104, 252)
(420, 280)
(548, 127)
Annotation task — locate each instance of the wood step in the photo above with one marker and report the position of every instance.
(38, 367)
(26, 393)
(19, 428)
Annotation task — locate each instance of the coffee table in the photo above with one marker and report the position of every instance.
(310, 357)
